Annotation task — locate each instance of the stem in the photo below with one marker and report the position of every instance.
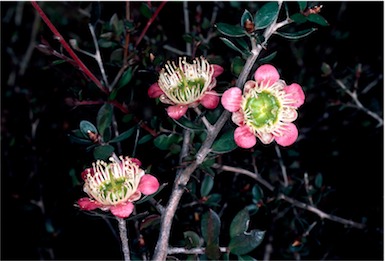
(149, 23)
(192, 251)
(123, 238)
(82, 66)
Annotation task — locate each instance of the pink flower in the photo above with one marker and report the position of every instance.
(265, 109)
(115, 186)
(186, 85)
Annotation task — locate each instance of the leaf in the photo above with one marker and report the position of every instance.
(145, 10)
(230, 30)
(212, 251)
(213, 199)
(318, 19)
(267, 58)
(187, 124)
(231, 45)
(104, 118)
(164, 141)
(246, 16)
(246, 258)
(302, 5)
(126, 77)
(207, 185)
(245, 243)
(240, 223)
(145, 139)
(77, 136)
(86, 127)
(318, 180)
(103, 152)
(150, 221)
(296, 35)
(210, 226)
(124, 135)
(298, 18)
(266, 15)
(237, 65)
(225, 143)
(192, 239)
(257, 193)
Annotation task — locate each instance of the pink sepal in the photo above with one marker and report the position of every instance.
(210, 101)
(289, 136)
(244, 138)
(148, 184)
(218, 70)
(231, 99)
(122, 210)
(154, 91)
(88, 204)
(296, 93)
(266, 74)
(177, 111)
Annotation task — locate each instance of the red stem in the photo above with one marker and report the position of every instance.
(150, 22)
(82, 66)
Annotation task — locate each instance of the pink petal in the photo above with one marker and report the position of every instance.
(136, 161)
(134, 197)
(296, 93)
(231, 99)
(148, 184)
(88, 204)
(155, 91)
(218, 70)
(122, 210)
(238, 118)
(177, 111)
(244, 138)
(266, 74)
(210, 101)
(266, 138)
(289, 136)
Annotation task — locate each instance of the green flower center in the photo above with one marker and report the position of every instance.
(262, 109)
(188, 90)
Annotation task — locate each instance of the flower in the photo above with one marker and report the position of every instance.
(114, 186)
(266, 109)
(186, 85)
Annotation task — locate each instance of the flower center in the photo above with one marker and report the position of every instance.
(261, 109)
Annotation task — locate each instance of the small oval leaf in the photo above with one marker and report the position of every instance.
(225, 143)
(86, 127)
(240, 223)
(124, 135)
(104, 118)
(246, 16)
(245, 243)
(296, 35)
(207, 185)
(230, 30)
(192, 239)
(210, 226)
(318, 19)
(103, 152)
(266, 15)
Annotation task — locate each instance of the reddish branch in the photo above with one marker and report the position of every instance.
(149, 23)
(82, 66)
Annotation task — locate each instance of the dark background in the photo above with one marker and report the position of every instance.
(40, 167)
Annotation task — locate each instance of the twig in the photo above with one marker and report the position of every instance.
(123, 238)
(149, 23)
(283, 167)
(59, 37)
(187, 26)
(294, 202)
(192, 251)
(204, 119)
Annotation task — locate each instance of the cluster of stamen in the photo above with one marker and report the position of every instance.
(185, 83)
(113, 183)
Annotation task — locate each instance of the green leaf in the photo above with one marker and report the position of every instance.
(213, 199)
(150, 221)
(145, 139)
(230, 30)
(225, 143)
(104, 118)
(210, 226)
(77, 136)
(246, 258)
(187, 38)
(192, 239)
(86, 127)
(103, 152)
(318, 180)
(302, 5)
(231, 45)
(124, 135)
(246, 16)
(296, 35)
(298, 18)
(318, 19)
(237, 65)
(257, 193)
(207, 185)
(212, 251)
(145, 11)
(240, 223)
(126, 78)
(245, 243)
(266, 15)
(187, 124)
(267, 58)
(164, 141)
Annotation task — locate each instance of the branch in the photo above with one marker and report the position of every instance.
(82, 66)
(123, 238)
(192, 251)
(294, 202)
